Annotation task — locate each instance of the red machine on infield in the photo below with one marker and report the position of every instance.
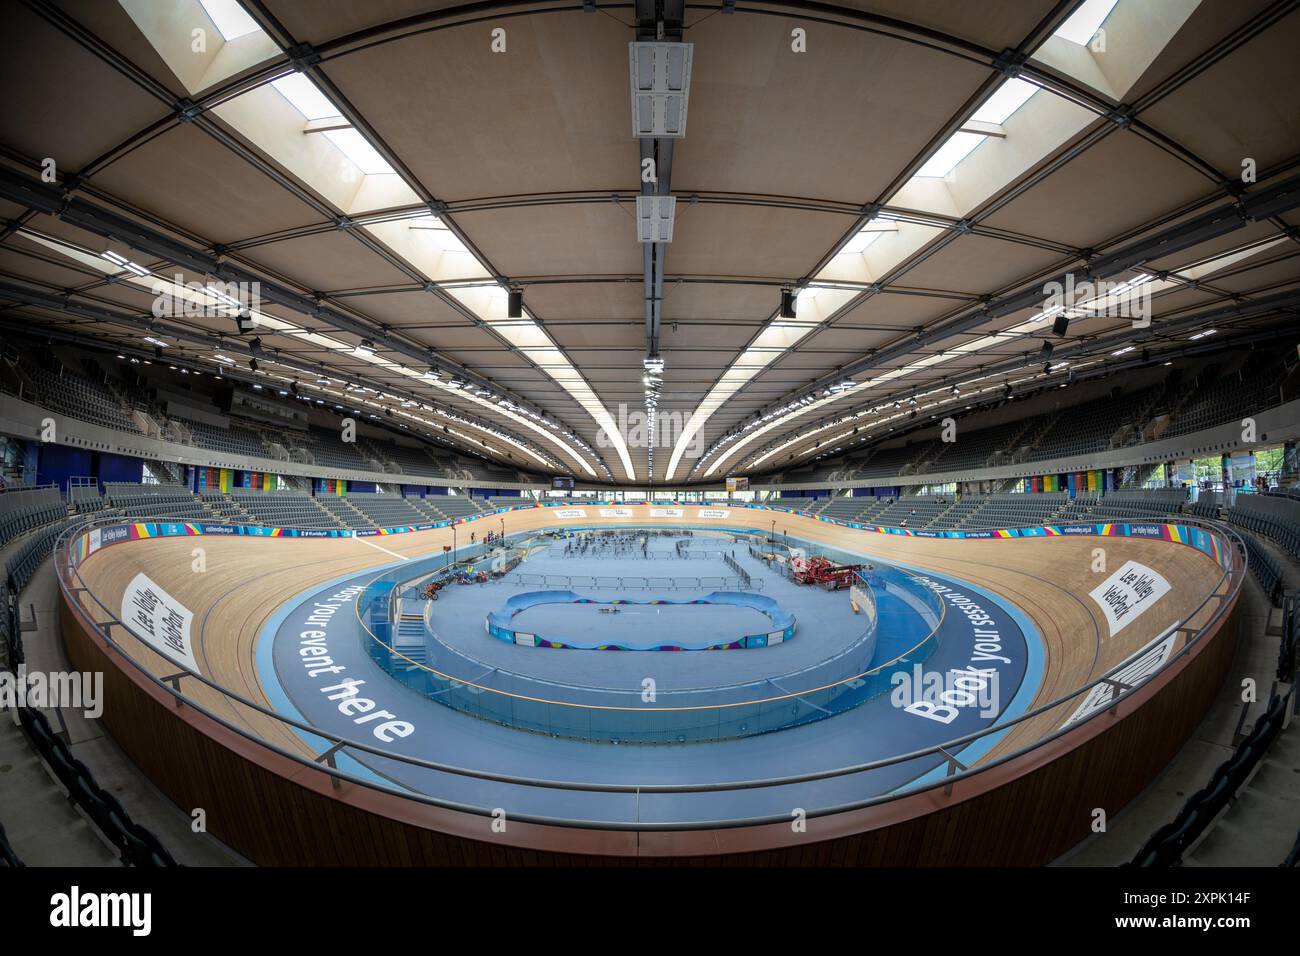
(823, 572)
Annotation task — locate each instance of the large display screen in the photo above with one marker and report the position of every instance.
(562, 484)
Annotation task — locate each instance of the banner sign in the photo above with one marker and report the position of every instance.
(615, 512)
(158, 619)
(667, 512)
(570, 513)
(1128, 593)
(1139, 667)
(713, 513)
(114, 535)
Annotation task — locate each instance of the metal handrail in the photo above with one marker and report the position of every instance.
(1233, 576)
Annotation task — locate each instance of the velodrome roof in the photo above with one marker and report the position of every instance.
(917, 176)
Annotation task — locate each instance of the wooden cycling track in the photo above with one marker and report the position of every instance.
(245, 579)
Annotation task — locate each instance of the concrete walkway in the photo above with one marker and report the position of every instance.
(42, 825)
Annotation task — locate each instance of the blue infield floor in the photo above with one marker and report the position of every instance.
(639, 626)
(825, 625)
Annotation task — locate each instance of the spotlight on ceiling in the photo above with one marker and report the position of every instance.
(515, 304)
(1061, 325)
(293, 386)
(255, 344)
(366, 347)
(244, 321)
(252, 363)
(787, 304)
(1046, 351)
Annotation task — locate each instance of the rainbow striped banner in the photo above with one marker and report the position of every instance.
(1189, 535)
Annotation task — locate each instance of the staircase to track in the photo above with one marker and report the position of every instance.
(408, 640)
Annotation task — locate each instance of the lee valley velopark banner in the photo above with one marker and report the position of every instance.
(158, 619)
(1128, 593)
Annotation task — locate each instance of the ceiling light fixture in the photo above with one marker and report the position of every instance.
(660, 84)
(126, 264)
(654, 218)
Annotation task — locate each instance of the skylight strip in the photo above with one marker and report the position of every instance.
(352, 396)
(488, 302)
(467, 395)
(1002, 380)
(863, 238)
(230, 18)
(1084, 23)
(304, 96)
(797, 413)
(220, 302)
(946, 157)
(357, 148)
(779, 336)
(804, 407)
(1004, 101)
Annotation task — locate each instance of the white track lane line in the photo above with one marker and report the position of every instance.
(385, 550)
